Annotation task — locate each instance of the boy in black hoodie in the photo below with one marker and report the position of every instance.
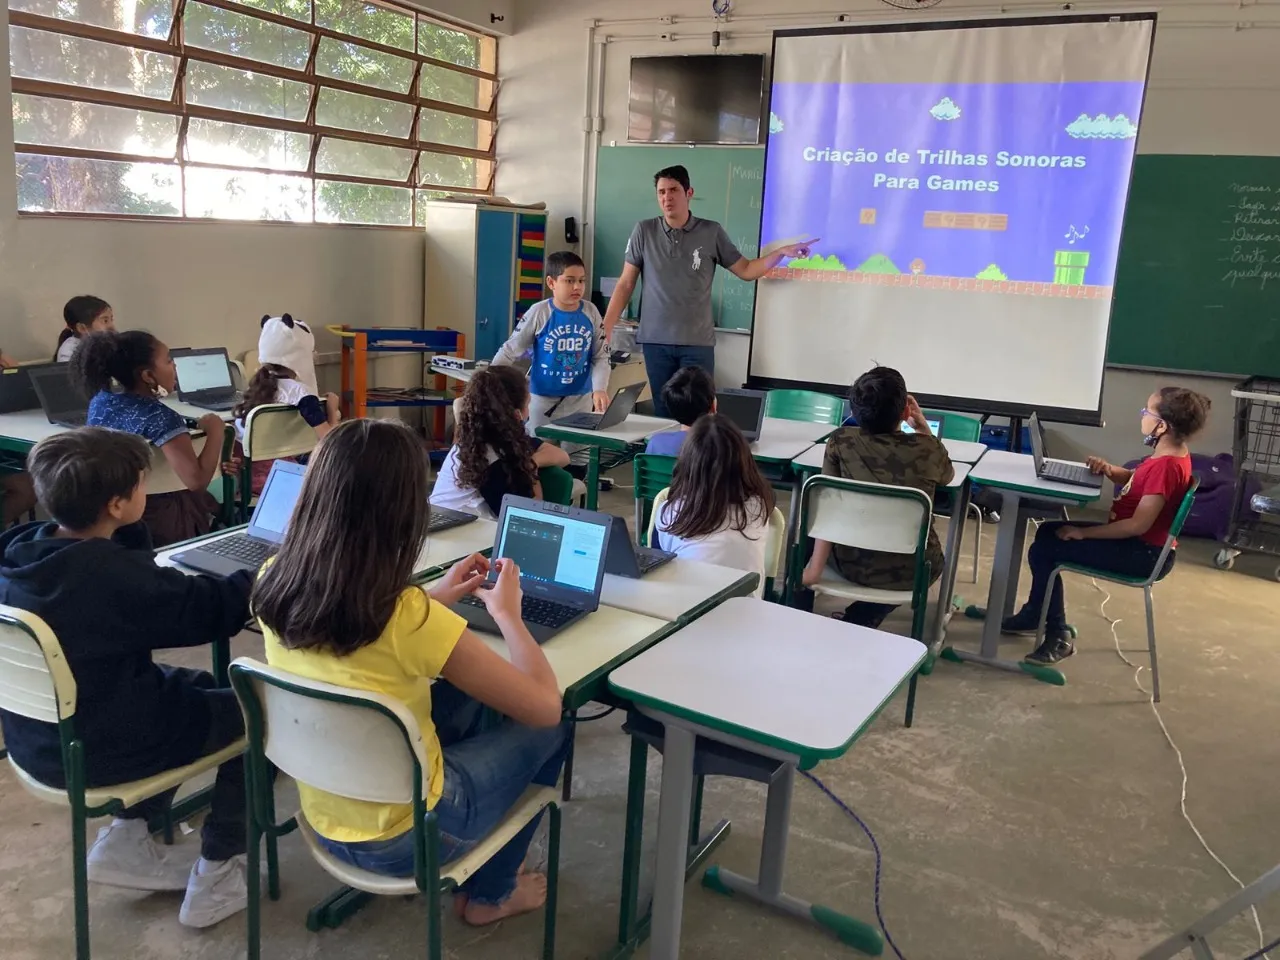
(92, 577)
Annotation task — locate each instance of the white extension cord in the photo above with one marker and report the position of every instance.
(1182, 800)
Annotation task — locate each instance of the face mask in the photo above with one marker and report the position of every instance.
(1152, 438)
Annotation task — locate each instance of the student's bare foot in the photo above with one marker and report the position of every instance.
(530, 894)
(460, 905)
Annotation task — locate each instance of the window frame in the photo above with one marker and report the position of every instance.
(175, 46)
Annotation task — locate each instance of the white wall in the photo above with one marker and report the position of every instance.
(1212, 86)
(476, 13)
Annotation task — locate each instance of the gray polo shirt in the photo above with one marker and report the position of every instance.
(677, 268)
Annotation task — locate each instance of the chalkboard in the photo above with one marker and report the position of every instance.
(1198, 281)
(727, 186)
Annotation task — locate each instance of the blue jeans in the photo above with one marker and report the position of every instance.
(484, 775)
(662, 360)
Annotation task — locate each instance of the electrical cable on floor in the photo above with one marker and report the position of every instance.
(874, 846)
(594, 716)
(1182, 800)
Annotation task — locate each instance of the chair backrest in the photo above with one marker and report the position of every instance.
(249, 363)
(652, 474)
(870, 516)
(659, 499)
(1184, 509)
(352, 743)
(239, 379)
(808, 406)
(774, 543)
(35, 680)
(956, 427)
(276, 430)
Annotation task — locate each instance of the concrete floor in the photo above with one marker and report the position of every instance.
(1017, 820)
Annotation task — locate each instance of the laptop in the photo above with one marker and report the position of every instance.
(16, 391)
(561, 554)
(935, 425)
(626, 559)
(624, 401)
(1060, 471)
(251, 548)
(442, 518)
(204, 378)
(61, 401)
(745, 408)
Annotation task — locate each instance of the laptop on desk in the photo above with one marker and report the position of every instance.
(624, 401)
(204, 379)
(442, 518)
(61, 402)
(1059, 471)
(16, 392)
(626, 559)
(561, 554)
(935, 425)
(745, 408)
(251, 548)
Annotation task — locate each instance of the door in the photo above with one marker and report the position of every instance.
(495, 274)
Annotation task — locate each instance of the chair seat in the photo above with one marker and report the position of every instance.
(134, 792)
(1110, 575)
(834, 585)
(531, 803)
(579, 490)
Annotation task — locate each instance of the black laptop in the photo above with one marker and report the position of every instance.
(204, 378)
(442, 518)
(561, 554)
(626, 559)
(745, 408)
(250, 549)
(1060, 471)
(62, 403)
(624, 401)
(16, 392)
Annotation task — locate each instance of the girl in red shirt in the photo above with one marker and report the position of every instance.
(1131, 541)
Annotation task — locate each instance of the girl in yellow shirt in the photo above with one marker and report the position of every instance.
(336, 605)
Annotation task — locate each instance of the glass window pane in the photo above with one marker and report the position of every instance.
(225, 88)
(297, 9)
(147, 18)
(358, 19)
(71, 185)
(235, 145)
(355, 111)
(438, 126)
(88, 126)
(441, 83)
(37, 55)
(350, 61)
(212, 28)
(246, 195)
(455, 46)
(362, 203)
(363, 160)
(420, 211)
(450, 171)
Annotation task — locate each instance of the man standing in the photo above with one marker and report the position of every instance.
(676, 255)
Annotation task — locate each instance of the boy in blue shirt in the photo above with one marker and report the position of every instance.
(565, 337)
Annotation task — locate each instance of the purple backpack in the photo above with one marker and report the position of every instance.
(1211, 513)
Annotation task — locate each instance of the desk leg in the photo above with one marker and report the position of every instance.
(593, 476)
(768, 888)
(673, 842)
(951, 564)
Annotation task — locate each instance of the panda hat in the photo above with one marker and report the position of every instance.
(289, 343)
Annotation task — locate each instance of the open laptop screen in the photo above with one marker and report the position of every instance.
(744, 408)
(553, 549)
(279, 497)
(935, 426)
(58, 395)
(201, 370)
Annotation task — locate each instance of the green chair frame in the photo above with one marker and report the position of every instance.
(1145, 584)
(921, 579)
(808, 406)
(652, 474)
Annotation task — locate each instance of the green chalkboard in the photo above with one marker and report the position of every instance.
(1198, 281)
(727, 186)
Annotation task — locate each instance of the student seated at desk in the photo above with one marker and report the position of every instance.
(1132, 539)
(719, 502)
(90, 574)
(688, 395)
(336, 604)
(493, 455)
(877, 451)
(141, 365)
(80, 317)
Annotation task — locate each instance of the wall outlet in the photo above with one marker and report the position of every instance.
(668, 19)
(664, 36)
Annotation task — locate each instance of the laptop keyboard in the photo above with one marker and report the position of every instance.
(545, 613)
(580, 420)
(240, 547)
(1076, 473)
(647, 561)
(440, 520)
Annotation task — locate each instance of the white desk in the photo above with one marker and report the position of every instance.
(29, 427)
(1014, 475)
(627, 437)
(678, 591)
(964, 451)
(781, 441)
(444, 549)
(778, 683)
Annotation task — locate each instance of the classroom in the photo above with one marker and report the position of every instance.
(560, 456)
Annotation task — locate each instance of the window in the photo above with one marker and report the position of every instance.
(310, 111)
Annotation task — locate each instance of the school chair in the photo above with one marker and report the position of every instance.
(1144, 583)
(652, 474)
(806, 405)
(36, 682)
(869, 516)
(968, 429)
(271, 432)
(362, 746)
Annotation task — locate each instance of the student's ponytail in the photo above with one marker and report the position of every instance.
(107, 356)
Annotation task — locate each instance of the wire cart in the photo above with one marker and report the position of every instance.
(1255, 509)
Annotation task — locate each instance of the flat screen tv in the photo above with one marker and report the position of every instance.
(697, 99)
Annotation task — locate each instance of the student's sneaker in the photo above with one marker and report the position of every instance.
(1057, 646)
(216, 890)
(1024, 623)
(124, 855)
